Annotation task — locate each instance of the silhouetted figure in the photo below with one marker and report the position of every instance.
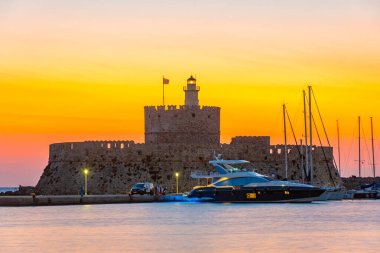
(81, 191)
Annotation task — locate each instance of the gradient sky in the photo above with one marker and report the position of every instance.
(83, 70)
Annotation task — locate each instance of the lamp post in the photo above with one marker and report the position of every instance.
(85, 171)
(176, 177)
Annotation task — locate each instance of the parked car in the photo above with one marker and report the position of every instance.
(142, 188)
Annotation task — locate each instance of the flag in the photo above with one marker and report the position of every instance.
(165, 81)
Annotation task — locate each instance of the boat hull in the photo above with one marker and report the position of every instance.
(268, 194)
(365, 195)
(361, 194)
(331, 194)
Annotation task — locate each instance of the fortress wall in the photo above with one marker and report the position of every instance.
(115, 167)
(258, 141)
(107, 150)
(183, 124)
(114, 170)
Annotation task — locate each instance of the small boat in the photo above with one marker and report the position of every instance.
(361, 194)
(231, 184)
(331, 193)
(367, 191)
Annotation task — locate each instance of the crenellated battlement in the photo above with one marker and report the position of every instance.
(260, 141)
(93, 144)
(160, 108)
(68, 150)
(258, 146)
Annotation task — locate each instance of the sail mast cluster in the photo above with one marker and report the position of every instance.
(309, 122)
(306, 153)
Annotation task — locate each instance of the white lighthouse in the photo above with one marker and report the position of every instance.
(191, 92)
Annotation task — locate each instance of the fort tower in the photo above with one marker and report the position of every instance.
(184, 124)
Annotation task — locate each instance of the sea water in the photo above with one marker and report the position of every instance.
(6, 189)
(343, 226)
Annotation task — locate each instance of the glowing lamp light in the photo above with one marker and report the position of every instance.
(191, 80)
(176, 179)
(85, 172)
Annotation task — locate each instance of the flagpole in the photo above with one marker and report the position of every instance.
(163, 91)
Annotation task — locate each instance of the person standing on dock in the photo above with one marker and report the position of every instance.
(160, 189)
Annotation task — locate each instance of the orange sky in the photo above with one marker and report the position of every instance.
(81, 70)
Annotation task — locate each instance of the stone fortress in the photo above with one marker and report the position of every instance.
(177, 139)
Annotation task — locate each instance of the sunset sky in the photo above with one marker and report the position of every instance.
(83, 70)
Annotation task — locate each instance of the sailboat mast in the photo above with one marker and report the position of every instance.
(360, 158)
(305, 124)
(337, 125)
(311, 137)
(373, 154)
(302, 171)
(286, 145)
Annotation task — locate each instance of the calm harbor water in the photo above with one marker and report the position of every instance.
(5, 189)
(345, 226)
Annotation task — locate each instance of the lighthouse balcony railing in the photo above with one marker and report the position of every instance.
(195, 88)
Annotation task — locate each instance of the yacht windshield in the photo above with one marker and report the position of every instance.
(231, 168)
(240, 181)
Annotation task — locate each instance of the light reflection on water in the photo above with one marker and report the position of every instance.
(346, 226)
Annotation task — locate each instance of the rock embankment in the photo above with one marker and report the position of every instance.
(355, 182)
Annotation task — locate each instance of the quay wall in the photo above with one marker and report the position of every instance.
(48, 200)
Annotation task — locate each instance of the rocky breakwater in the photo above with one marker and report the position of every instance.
(354, 182)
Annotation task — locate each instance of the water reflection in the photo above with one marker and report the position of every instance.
(193, 227)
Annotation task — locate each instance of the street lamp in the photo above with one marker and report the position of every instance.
(85, 171)
(176, 177)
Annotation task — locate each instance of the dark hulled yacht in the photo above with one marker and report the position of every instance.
(231, 184)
